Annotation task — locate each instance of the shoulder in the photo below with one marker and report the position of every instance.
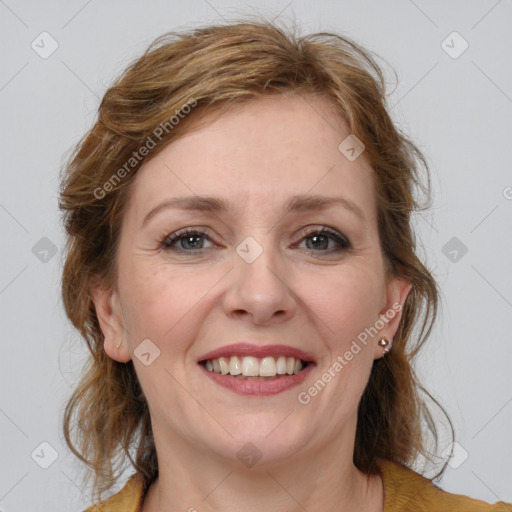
(128, 499)
(404, 488)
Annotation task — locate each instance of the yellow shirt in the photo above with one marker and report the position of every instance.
(404, 491)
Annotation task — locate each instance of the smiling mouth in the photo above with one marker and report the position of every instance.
(255, 368)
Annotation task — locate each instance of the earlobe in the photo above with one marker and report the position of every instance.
(390, 315)
(110, 318)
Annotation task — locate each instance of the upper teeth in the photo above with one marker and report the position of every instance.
(254, 366)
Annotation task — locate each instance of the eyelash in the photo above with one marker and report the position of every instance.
(343, 242)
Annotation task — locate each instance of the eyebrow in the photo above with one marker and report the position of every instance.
(297, 203)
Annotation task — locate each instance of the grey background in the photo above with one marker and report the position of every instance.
(459, 110)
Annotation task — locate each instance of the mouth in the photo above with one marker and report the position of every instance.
(252, 370)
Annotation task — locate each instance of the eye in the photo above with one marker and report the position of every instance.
(185, 240)
(318, 240)
(325, 240)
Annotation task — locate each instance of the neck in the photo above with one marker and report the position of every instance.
(193, 480)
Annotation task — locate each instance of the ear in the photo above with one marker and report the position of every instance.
(397, 291)
(110, 318)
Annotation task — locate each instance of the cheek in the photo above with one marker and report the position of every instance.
(346, 306)
(160, 302)
(344, 302)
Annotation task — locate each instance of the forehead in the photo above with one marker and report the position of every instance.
(261, 152)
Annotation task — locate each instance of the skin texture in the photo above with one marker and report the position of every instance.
(298, 293)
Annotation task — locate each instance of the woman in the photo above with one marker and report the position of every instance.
(241, 264)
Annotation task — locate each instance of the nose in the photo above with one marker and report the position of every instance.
(260, 290)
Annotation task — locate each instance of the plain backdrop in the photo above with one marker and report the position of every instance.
(453, 97)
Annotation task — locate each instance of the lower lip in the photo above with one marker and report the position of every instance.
(259, 387)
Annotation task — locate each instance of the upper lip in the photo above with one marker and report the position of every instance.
(249, 349)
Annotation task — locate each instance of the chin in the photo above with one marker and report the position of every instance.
(265, 439)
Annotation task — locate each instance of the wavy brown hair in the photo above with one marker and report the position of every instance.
(106, 420)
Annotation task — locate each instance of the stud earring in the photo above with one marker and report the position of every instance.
(387, 344)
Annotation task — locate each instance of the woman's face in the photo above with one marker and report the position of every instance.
(272, 265)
